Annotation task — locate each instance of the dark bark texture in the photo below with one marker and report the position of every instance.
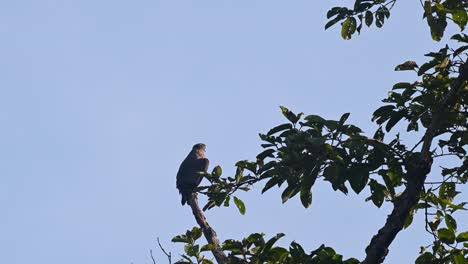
(209, 232)
(418, 167)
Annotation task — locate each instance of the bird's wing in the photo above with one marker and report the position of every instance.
(202, 166)
(180, 174)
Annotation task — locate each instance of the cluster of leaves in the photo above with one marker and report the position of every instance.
(220, 190)
(193, 251)
(418, 101)
(448, 246)
(437, 12)
(299, 152)
(306, 148)
(254, 249)
(377, 11)
(366, 11)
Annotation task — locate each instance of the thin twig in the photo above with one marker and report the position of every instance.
(445, 154)
(415, 146)
(152, 258)
(168, 255)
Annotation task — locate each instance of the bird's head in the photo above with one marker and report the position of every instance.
(200, 150)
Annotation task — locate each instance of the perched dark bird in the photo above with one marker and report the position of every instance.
(188, 176)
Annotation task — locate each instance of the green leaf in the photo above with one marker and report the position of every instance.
(240, 205)
(266, 153)
(279, 128)
(460, 37)
(378, 21)
(437, 25)
(446, 235)
(409, 219)
(192, 250)
(426, 66)
(270, 183)
(426, 258)
(402, 85)
(290, 115)
(207, 247)
(360, 6)
(358, 177)
(269, 244)
(459, 259)
(289, 192)
(358, 29)
(456, 207)
(195, 233)
(447, 191)
(206, 261)
(394, 119)
(251, 166)
(334, 21)
(180, 239)
(443, 64)
(460, 18)
(209, 205)
(226, 201)
(434, 223)
(352, 129)
(462, 237)
(379, 134)
(296, 250)
(383, 111)
(348, 28)
(406, 66)
(333, 174)
(460, 50)
(377, 193)
(380, 15)
(335, 11)
(189, 261)
(451, 223)
(306, 197)
(369, 18)
(278, 253)
(217, 171)
(255, 238)
(344, 117)
(413, 125)
(385, 11)
(351, 261)
(315, 119)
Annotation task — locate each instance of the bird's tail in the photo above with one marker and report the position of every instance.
(185, 197)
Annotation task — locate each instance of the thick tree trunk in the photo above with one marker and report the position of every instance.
(378, 247)
(418, 167)
(209, 233)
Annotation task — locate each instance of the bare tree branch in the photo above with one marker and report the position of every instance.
(152, 258)
(168, 255)
(209, 233)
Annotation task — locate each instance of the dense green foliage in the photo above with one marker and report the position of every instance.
(307, 148)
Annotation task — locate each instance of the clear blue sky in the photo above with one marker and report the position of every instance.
(101, 100)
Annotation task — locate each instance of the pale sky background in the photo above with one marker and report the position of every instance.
(100, 101)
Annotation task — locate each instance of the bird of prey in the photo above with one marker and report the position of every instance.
(188, 176)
